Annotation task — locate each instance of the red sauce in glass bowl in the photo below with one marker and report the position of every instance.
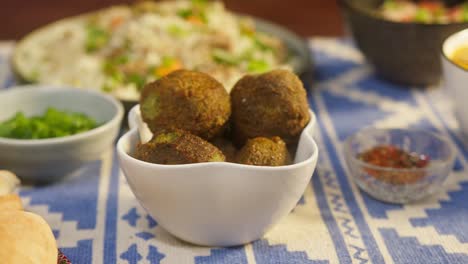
(389, 156)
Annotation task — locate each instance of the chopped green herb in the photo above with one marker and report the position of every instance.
(185, 13)
(465, 12)
(196, 13)
(168, 61)
(96, 38)
(203, 17)
(137, 79)
(107, 88)
(258, 66)
(223, 57)
(199, 3)
(117, 76)
(150, 70)
(53, 123)
(110, 67)
(390, 4)
(122, 59)
(261, 44)
(177, 31)
(423, 16)
(246, 28)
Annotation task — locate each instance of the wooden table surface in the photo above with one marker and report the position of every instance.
(305, 17)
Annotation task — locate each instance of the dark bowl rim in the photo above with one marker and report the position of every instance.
(445, 56)
(352, 158)
(370, 14)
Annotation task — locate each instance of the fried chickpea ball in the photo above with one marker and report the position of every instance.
(263, 151)
(268, 105)
(187, 100)
(178, 147)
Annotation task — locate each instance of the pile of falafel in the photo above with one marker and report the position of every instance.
(194, 119)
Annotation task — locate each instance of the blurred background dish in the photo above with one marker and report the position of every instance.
(456, 75)
(406, 52)
(45, 160)
(119, 49)
(425, 11)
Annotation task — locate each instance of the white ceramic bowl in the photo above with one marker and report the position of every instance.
(44, 160)
(218, 203)
(456, 77)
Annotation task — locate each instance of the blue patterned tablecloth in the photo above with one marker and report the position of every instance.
(96, 218)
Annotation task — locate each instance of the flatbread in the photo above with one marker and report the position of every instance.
(10, 202)
(8, 182)
(26, 238)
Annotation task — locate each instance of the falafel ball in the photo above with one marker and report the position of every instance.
(263, 151)
(178, 147)
(268, 105)
(188, 100)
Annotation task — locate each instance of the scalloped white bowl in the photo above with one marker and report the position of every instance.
(217, 203)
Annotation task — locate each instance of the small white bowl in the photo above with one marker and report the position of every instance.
(456, 77)
(45, 160)
(218, 203)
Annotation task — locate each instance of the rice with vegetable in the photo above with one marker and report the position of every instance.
(120, 49)
(424, 11)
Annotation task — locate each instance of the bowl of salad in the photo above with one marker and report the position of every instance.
(401, 38)
(47, 132)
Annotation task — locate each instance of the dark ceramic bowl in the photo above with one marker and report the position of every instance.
(407, 53)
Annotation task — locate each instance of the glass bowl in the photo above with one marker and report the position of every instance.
(400, 185)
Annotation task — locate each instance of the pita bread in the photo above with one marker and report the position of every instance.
(10, 202)
(8, 182)
(26, 238)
